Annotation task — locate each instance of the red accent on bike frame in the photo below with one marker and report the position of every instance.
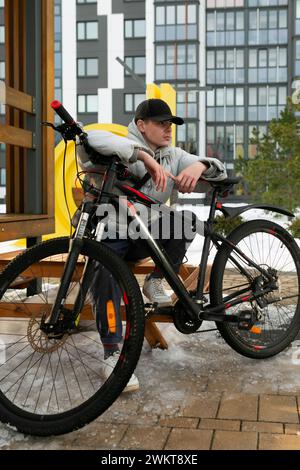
(247, 297)
(138, 193)
(127, 330)
(259, 347)
(219, 205)
(125, 298)
(243, 299)
(131, 208)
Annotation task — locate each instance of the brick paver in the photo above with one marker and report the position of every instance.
(189, 439)
(238, 406)
(231, 440)
(205, 405)
(292, 429)
(279, 442)
(145, 437)
(278, 408)
(221, 424)
(262, 427)
(179, 422)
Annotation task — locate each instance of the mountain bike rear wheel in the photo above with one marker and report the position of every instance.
(53, 385)
(278, 322)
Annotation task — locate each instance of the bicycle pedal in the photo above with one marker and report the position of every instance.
(246, 319)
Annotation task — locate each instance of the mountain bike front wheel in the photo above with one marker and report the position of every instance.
(278, 320)
(51, 385)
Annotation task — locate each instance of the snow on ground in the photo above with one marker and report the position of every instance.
(193, 364)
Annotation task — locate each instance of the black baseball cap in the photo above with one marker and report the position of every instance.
(156, 110)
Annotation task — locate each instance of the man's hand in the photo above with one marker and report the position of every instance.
(158, 174)
(188, 178)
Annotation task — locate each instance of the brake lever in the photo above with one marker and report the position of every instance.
(49, 124)
(66, 131)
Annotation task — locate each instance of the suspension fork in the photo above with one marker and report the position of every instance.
(75, 247)
(87, 276)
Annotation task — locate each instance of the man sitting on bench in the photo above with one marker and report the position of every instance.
(147, 148)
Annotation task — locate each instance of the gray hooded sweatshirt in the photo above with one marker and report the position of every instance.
(172, 159)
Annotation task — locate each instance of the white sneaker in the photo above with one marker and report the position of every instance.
(110, 363)
(153, 289)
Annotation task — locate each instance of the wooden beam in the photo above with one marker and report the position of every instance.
(15, 136)
(19, 100)
(28, 228)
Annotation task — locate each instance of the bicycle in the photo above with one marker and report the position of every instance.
(50, 379)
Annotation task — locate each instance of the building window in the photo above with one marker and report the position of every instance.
(2, 34)
(268, 26)
(297, 57)
(137, 64)
(225, 3)
(87, 67)
(225, 104)
(225, 143)
(1, 3)
(266, 103)
(132, 100)
(87, 104)
(2, 70)
(176, 62)
(225, 28)
(187, 104)
(86, 1)
(176, 22)
(225, 66)
(135, 29)
(187, 137)
(266, 3)
(87, 30)
(2, 177)
(268, 65)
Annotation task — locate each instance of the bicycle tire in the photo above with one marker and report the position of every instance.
(59, 420)
(272, 339)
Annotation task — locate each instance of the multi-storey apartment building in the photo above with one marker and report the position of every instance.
(246, 51)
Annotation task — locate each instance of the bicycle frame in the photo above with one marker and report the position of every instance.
(194, 306)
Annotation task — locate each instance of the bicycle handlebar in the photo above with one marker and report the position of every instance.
(62, 112)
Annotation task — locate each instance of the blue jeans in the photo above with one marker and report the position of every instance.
(105, 288)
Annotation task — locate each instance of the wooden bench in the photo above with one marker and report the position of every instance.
(188, 273)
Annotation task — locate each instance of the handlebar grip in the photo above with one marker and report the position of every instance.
(62, 112)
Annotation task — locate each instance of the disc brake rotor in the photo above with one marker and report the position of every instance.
(39, 341)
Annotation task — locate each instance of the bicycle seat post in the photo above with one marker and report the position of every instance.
(206, 245)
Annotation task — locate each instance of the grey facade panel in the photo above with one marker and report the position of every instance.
(86, 11)
(134, 47)
(87, 118)
(132, 86)
(131, 10)
(93, 48)
(119, 117)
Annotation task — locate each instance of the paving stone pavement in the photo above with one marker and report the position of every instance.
(197, 395)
